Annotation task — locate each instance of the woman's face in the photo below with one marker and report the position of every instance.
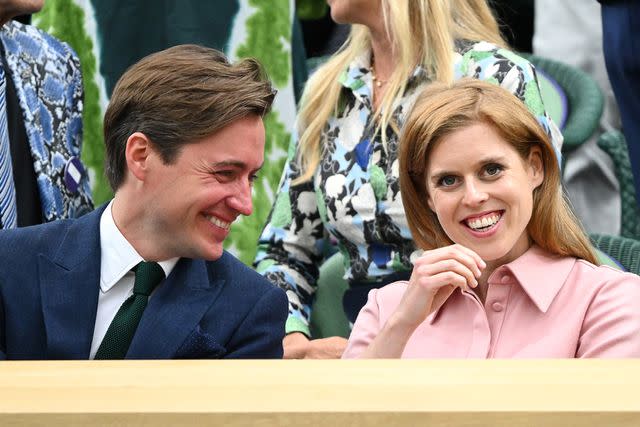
(482, 191)
(365, 12)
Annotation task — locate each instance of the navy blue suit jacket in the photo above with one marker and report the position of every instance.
(49, 285)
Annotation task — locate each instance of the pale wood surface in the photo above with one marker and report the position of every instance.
(384, 392)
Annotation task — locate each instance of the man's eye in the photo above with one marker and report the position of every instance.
(223, 175)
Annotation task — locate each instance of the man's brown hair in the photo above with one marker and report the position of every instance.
(179, 96)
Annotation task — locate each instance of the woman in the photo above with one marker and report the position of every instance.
(341, 180)
(507, 270)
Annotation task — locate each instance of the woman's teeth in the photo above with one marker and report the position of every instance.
(484, 222)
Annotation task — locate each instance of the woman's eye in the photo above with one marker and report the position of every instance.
(447, 181)
(493, 170)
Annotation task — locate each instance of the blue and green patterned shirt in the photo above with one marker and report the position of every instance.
(353, 200)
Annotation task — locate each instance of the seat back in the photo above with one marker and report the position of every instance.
(624, 250)
(614, 144)
(572, 97)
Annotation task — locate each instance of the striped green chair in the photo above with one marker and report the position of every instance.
(614, 144)
(624, 250)
(572, 98)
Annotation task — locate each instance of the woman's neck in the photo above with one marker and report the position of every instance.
(382, 57)
(382, 60)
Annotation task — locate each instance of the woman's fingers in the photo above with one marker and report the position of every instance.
(445, 278)
(458, 253)
(449, 265)
(478, 260)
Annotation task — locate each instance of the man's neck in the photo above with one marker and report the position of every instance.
(129, 218)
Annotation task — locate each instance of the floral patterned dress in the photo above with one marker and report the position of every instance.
(354, 199)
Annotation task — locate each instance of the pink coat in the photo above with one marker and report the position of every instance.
(538, 306)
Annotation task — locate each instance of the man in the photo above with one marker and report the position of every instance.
(184, 141)
(41, 176)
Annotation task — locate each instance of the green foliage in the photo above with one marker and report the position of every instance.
(64, 20)
(267, 30)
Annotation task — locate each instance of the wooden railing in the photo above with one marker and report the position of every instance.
(327, 393)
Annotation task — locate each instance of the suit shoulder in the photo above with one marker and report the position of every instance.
(231, 268)
(36, 238)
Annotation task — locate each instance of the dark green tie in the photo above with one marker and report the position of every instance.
(121, 330)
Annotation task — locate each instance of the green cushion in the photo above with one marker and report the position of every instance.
(327, 315)
(604, 259)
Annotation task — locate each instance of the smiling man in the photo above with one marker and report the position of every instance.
(146, 276)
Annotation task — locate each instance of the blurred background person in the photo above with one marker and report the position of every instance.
(41, 98)
(570, 31)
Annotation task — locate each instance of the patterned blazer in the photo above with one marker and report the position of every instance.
(46, 75)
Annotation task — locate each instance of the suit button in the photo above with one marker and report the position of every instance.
(496, 306)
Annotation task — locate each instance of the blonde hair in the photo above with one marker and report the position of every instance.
(442, 109)
(422, 32)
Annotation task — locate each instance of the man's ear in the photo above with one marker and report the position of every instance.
(137, 153)
(536, 166)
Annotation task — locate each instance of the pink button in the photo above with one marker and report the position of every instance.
(496, 306)
(505, 279)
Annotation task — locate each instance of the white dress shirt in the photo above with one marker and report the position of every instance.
(117, 258)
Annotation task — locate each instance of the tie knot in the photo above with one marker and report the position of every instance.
(148, 275)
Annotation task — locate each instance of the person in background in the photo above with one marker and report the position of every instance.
(41, 176)
(570, 32)
(145, 276)
(620, 39)
(507, 270)
(341, 179)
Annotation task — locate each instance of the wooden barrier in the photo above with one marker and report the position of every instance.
(332, 393)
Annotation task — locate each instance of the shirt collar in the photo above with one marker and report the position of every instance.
(118, 256)
(357, 76)
(540, 274)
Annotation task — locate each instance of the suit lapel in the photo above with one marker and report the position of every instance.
(69, 285)
(174, 311)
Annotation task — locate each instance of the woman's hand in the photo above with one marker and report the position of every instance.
(298, 346)
(436, 274)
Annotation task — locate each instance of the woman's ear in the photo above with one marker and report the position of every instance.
(536, 167)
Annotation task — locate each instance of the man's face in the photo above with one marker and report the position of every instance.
(9, 9)
(191, 203)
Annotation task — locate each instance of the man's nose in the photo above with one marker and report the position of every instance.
(241, 200)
